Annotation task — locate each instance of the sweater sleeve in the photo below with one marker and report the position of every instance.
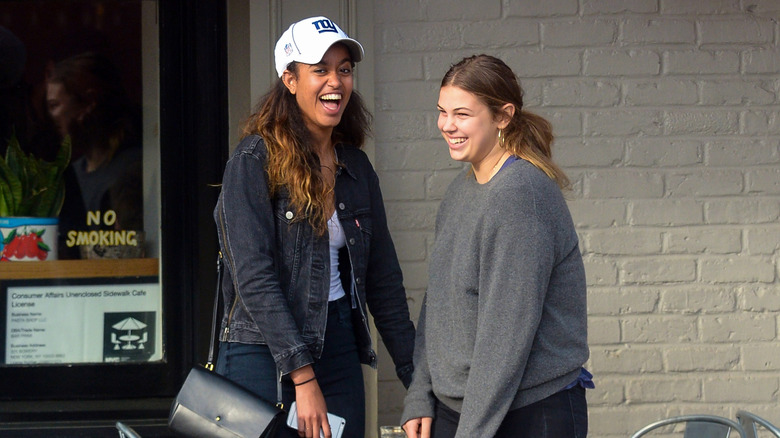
(516, 259)
(419, 401)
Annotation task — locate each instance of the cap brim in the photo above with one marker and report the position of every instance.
(355, 49)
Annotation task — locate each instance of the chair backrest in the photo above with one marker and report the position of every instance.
(706, 429)
(750, 422)
(698, 426)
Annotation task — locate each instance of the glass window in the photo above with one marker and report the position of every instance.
(79, 183)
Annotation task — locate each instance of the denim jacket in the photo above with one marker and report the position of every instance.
(277, 269)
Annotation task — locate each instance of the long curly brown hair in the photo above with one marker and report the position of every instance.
(528, 136)
(292, 158)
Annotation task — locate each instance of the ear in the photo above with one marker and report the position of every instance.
(505, 115)
(290, 81)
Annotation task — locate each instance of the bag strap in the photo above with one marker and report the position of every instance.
(217, 293)
(210, 362)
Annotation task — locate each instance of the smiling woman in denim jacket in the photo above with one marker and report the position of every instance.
(307, 251)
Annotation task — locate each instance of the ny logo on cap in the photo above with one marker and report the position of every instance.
(324, 26)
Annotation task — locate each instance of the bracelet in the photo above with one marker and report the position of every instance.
(304, 382)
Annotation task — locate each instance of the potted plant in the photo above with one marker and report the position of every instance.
(32, 192)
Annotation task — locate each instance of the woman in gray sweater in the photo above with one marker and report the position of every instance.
(502, 335)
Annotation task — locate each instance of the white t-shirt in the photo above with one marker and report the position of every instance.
(337, 241)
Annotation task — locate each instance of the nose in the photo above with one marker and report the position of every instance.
(334, 80)
(445, 123)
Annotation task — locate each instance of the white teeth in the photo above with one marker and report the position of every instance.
(331, 97)
(457, 140)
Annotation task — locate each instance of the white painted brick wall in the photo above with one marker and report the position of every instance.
(667, 116)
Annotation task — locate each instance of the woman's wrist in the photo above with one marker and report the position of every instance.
(310, 379)
(302, 375)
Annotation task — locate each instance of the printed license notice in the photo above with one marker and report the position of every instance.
(82, 323)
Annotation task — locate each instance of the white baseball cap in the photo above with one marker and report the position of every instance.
(307, 41)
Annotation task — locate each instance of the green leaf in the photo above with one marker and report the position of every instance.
(17, 163)
(61, 163)
(9, 237)
(29, 205)
(13, 196)
(58, 202)
(63, 155)
(44, 246)
(8, 199)
(35, 187)
(46, 201)
(4, 190)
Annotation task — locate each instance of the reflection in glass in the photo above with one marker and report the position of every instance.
(75, 69)
(86, 101)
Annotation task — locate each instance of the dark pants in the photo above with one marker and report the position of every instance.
(338, 370)
(561, 415)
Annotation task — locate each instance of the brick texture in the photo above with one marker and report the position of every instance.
(667, 121)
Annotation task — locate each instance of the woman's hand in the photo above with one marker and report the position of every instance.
(312, 411)
(418, 427)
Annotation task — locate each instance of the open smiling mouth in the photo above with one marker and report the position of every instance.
(455, 141)
(331, 102)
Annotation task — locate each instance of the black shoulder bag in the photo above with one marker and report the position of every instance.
(210, 405)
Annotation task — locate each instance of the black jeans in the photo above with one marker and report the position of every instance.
(338, 371)
(561, 415)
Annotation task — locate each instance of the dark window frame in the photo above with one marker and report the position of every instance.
(194, 145)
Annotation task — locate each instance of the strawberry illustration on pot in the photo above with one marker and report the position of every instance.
(28, 245)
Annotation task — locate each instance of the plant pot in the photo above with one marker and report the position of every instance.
(28, 238)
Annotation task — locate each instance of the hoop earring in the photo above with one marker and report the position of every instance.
(501, 138)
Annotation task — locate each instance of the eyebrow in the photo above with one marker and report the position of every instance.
(347, 59)
(460, 108)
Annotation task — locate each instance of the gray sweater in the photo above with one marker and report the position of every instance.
(504, 322)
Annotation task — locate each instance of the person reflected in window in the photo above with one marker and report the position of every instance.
(13, 92)
(307, 251)
(502, 335)
(87, 101)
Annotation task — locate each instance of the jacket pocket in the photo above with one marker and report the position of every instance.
(289, 244)
(363, 222)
